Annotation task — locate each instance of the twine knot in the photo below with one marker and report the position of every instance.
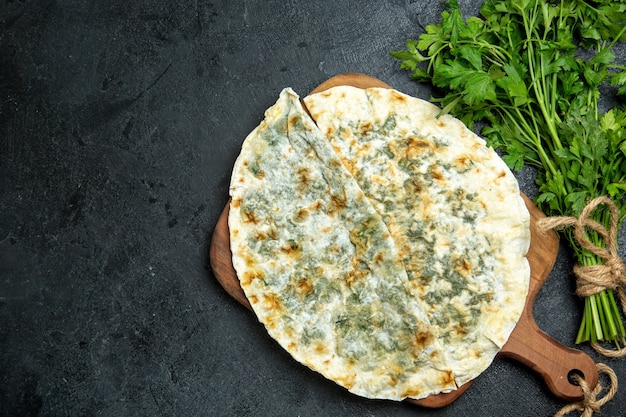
(617, 268)
(592, 279)
(611, 274)
(591, 403)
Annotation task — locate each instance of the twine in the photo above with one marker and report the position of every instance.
(591, 403)
(611, 274)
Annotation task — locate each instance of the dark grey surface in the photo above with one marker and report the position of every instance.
(119, 125)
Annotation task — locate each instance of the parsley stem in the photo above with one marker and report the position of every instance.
(608, 313)
(621, 332)
(597, 325)
(582, 335)
(617, 37)
(536, 83)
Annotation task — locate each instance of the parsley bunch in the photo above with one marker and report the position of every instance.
(532, 72)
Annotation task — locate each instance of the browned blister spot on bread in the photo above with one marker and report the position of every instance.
(348, 380)
(292, 249)
(272, 303)
(459, 329)
(355, 274)
(423, 339)
(320, 347)
(463, 267)
(365, 127)
(447, 378)
(337, 203)
(412, 392)
(249, 216)
(294, 121)
(436, 173)
(302, 214)
(317, 205)
(463, 161)
(303, 175)
(250, 275)
(416, 147)
(397, 97)
(303, 287)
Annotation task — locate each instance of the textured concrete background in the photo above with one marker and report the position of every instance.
(119, 125)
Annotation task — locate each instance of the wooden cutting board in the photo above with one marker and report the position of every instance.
(527, 344)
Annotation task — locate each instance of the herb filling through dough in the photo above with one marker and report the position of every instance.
(372, 247)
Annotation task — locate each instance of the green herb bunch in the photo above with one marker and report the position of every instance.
(532, 72)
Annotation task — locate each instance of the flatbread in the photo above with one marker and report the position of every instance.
(319, 267)
(453, 208)
(384, 249)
